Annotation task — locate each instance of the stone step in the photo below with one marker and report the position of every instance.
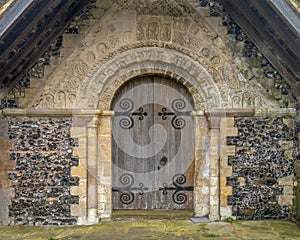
(204, 11)
(71, 40)
(217, 25)
(48, 70)
(151, 214)
(35, 82)
(29, 93)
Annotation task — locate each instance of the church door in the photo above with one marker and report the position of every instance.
(153, 145)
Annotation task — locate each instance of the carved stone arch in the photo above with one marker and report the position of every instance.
(102, 83)
(111, 89)
(98, 88)
(169, 76)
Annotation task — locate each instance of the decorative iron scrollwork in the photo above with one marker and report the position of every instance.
(177, 106)
(127, 196)
(178, 196)
(127, 121)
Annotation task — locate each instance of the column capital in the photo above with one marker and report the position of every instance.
(214, 122)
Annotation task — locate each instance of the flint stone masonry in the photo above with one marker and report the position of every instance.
(263, 168)
(42, 150)
(248, 175)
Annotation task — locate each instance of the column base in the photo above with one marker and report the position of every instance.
(214, 218)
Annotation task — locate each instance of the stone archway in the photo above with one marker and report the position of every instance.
(98, 91)
(98, 88)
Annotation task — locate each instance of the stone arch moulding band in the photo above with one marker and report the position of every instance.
(98, 89)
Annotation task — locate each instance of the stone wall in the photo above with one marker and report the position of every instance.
(297, 191)
(124, 39)
(263, 168)
(42, 151)
(248, 175)
(297, 174)
(6, 192)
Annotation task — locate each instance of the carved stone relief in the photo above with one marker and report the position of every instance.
(250, 98)
(153, 7)
(62, 92)
(153, 29)
(67, 78)
(149, 60)
(127, 42)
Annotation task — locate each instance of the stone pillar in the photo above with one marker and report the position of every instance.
(297, 190)
(201, 175)
(79, 131)
(226, 129)
(104, 173)
(214, 179)
(297, 174)
(6, 192)
(92, 153)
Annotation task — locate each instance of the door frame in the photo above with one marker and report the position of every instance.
(206, 172)
(165, 97)
(206, 86)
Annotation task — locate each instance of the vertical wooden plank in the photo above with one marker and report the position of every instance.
(178, 151)
(163, 97)
(142, 164)
(136, 140)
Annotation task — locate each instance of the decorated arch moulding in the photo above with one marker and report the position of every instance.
(211, 85)
(99, 87)
(177, 55)
(87, 59)
(81, 69)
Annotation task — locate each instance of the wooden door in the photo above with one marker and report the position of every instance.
(153, 145)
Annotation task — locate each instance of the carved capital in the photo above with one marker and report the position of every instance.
(214, 122)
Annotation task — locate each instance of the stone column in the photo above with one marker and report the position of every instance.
(214, 156)
(297, 175)
(226, 129)
(79, 131)
(6, 191)
(201, 175)
(85, 129)
(92, 153)
(104, 174)
(297, 190)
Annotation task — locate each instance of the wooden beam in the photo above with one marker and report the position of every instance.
(252, 23)
(43, 29)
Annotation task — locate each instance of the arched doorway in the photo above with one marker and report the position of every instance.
(153, 145)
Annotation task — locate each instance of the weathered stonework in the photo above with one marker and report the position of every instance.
(227, 129)
(42, 150)
(194, 25)
(147, 60)
(263, 168)
(243, 169)
(173, 38)
(252, 66)
(202, 171)
(6, 165)
(296, 202)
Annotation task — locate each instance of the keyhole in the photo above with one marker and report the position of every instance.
(163, 161)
